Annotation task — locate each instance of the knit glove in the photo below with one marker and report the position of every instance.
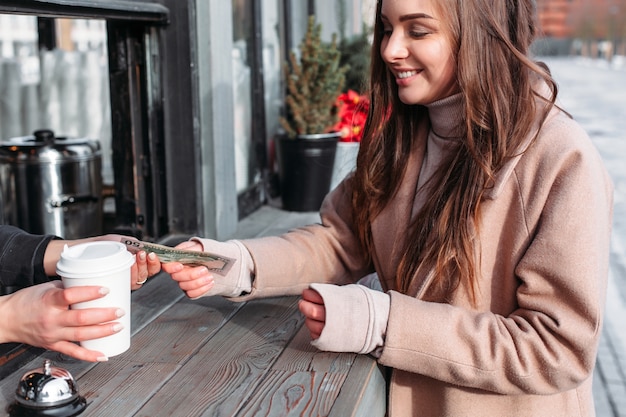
(356, 318)
(238, 280)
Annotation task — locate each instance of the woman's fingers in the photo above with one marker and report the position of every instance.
(89, 317)
(145, 266)
(76, 351)
(312, 311)
(173, 268)
(40, 315)
(312, 307)
(315, 328)
(190, 245)
(153, 264)
(312, 296)
(83, 324)
(194, 281)
(65, 297)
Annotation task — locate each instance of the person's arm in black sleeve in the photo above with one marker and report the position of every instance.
(21, 258)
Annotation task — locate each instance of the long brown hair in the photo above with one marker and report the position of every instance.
(491, 41)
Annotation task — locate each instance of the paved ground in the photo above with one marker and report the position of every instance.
(594, 92)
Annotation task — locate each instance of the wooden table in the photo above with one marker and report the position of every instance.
(214, 357)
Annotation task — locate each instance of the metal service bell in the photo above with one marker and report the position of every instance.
(47, 391)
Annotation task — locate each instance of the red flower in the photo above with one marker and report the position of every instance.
(353, 109)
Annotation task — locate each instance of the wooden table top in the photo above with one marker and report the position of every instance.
(214, 357)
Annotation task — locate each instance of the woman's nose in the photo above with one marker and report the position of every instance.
(393, 48)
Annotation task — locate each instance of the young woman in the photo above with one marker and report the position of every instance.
(34, 307)
(484, 210)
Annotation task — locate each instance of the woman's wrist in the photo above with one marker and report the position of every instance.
(52, 255)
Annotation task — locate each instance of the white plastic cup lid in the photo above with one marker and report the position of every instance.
(94, 259)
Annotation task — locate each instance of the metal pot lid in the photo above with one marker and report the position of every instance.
(44, 146)
(48, 386)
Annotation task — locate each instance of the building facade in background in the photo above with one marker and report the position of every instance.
(595, 28)
(553, 17)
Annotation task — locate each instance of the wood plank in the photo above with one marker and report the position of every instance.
(365, 392)
(180, 331)
(239, 356)
(157, 352)
(300, 355)
(120, 390)
(294, 394)
(156, 296)
(303, 382)
(14, 355)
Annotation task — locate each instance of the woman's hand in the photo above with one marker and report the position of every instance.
(195, 281)
(40, 316)
(144, 267)
(312, 307)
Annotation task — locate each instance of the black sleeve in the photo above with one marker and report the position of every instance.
(21, 258)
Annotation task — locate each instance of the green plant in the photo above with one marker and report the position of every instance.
(313, 84)
(355, 54)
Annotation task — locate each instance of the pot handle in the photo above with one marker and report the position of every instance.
(69, 200)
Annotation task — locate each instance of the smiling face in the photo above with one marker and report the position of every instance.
(417, 51)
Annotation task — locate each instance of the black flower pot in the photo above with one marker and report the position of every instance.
(305, 168)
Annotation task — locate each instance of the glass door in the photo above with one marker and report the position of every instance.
(249, 104)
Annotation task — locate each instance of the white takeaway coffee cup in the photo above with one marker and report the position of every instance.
(105, 264)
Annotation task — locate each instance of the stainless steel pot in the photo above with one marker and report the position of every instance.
(51, 185)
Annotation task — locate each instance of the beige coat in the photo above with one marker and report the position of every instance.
(529, 347)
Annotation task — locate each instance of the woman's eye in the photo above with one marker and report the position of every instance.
(417, 34)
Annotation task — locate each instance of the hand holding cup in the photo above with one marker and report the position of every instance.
(108, 265)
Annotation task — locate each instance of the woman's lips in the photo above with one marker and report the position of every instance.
(405, 77)
(406, 74)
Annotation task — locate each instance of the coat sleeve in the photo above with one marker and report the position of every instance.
(21, 258)
(548, 342)
(328, 252)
